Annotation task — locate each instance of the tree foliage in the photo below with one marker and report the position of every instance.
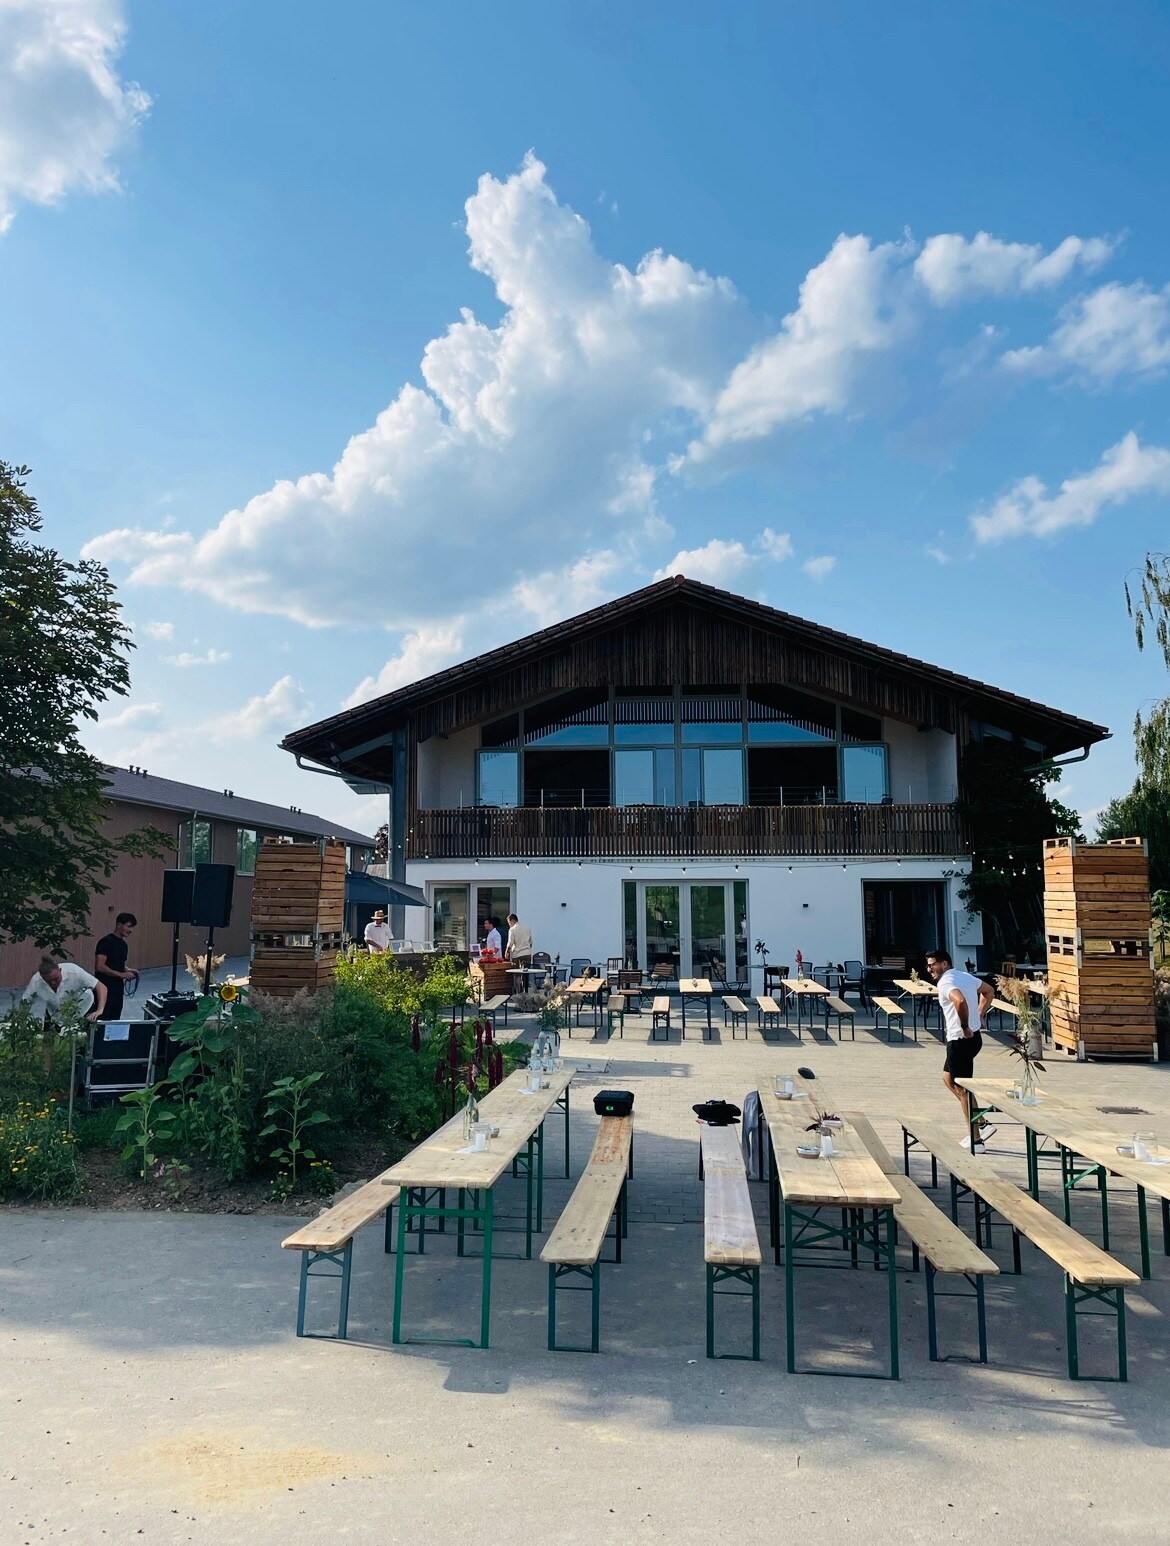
(64, 649)
(1144, 812)
(1008, 814)
(1149, 606)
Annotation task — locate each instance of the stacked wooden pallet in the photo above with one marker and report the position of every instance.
(1097, 924)
(298, 914)
(490, 978)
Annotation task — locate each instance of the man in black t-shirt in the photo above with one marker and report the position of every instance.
(110, 954)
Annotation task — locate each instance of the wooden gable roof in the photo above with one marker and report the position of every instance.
(680, 631)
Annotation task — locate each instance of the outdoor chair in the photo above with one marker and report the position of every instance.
(613, 968)
(853, 979)
(774, 983)
(577, 967)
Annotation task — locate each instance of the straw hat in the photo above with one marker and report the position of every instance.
(379, 916)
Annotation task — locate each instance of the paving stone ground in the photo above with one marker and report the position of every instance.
(151, 1388)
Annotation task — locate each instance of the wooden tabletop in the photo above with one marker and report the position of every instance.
(1079, 1128)
(694, 985)
(437, 1161)
(851, 1179)
(586, 985)
(909, 985)
(803, 985)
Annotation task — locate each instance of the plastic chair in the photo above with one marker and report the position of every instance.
(854, 978)
(577, 967)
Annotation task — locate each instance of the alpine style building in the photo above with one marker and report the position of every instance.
(678, 773)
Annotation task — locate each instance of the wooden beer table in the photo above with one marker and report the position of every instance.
(823, 1202)
(445, 1162)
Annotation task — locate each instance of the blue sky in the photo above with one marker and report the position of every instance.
(358, 339)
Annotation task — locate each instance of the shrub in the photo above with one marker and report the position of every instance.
(38, 1154)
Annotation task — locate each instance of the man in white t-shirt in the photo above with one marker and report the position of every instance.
(377, 935)
(51, 988)
(964, 1001)
(491, 935)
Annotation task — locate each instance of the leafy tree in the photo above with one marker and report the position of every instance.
(1008, 814)
(1149, 607)
(1144, 812)
(63, 651)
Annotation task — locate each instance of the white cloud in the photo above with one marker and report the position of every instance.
(819, 568)
(940, 555)
(775, 544)
(268, 715)
(953, 268)
(850, 307)
(185, 659)
(728, 563)
(64, 112)
(132, 714)
(1124, 472)
(536, 430)
(540, 443)
(1113, 331)
(279, 710)
(159, 630)
(422, 654)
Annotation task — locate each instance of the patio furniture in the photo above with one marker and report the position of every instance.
(731, 1246)
(574, 1247)
(738, 1010)
(853, 980)
(614, 966)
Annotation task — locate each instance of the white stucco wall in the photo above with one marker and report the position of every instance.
(922, 764)
(576, 910)
(446, 771)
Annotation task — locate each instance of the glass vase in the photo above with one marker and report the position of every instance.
(470, 1116)
(1028, 1095)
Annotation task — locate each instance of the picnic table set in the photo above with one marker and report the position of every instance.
(835, 1199)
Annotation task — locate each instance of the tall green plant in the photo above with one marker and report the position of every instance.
(289, 1119)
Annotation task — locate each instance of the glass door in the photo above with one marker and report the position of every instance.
(690, 926)
(707, 936)
(449, 904)
(662, 917)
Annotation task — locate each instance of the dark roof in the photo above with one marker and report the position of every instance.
(135, 788)
(394, 706)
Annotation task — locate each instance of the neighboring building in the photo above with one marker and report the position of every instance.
(205, 825)
(679, 773)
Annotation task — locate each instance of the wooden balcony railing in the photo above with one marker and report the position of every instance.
(653, 831)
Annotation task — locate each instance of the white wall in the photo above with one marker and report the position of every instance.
(922, 763)
(446, 771)
(576, 910)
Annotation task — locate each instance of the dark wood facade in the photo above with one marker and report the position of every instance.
(677, 632)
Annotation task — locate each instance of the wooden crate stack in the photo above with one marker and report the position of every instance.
(298, 914)
(1097, 923)
(489, 978)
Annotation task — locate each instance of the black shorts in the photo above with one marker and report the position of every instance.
(961, 1055)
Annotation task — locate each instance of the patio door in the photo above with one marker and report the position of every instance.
(699, 928)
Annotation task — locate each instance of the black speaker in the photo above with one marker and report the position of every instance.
(176, 901)
(211, 896)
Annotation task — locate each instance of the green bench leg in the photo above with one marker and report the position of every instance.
(309, 1260)
(932, 1293)
(1114, 1298)
(748, 1275)
(592, 1274)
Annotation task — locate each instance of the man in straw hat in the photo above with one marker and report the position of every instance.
(377, 935)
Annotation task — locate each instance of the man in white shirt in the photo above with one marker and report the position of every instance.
(51, 989)
(519, 950)
(492, 940)
(964, 1001)
(377, 935)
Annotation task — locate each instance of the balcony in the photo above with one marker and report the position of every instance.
(668, 832)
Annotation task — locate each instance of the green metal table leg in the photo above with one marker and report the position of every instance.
(552, 1307)
(540, 1178)
(1070, 1328)
(399, 1262)
(528, 1180)
(1143, 1231)
(893, 1283)
(789, 1285)
(485, 1310)
(710, 1311)
(1103, 1188)
(566, 1105)
(1033, 1163)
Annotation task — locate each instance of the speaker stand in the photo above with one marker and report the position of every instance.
(207, 962)
(175, 964)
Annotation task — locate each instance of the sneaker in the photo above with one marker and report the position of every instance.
(986, 1131)
(980, 1147)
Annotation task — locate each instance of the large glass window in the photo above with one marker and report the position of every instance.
(863, 774)
(196, 843)
(245, 851)
(643, 777)
(499, 778)
(712, 776)
(646, 719)
(449, 904)
(573, 719)
(712, 719)
(777, 715)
